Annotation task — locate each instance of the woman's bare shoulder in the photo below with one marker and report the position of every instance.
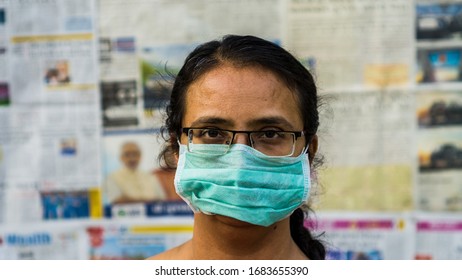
(182, 252)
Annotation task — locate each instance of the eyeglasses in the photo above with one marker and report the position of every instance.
(268, 142)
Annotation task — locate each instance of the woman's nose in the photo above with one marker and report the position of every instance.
(241, 138)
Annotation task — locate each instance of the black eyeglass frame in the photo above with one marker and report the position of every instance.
(297, 134)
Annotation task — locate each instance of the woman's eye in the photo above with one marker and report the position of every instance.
(269, 134)
(212, 133)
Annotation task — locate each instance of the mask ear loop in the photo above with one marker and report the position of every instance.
(187, 144)
(308, 146)
(305, 150)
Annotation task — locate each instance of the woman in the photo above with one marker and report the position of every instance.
(242, 124)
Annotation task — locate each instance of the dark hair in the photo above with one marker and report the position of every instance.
(243, 51)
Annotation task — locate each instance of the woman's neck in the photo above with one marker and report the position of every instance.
(217, 237)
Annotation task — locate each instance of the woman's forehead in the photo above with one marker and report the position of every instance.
(241, 92)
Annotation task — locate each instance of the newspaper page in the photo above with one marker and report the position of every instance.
(54, 116)
(49, 105)
(438, 236)
(53, 172)
(131, 241)
(366, 140)
(59, 158)
(43, 242)
(53, 52)
(355, 43)
(365, 236)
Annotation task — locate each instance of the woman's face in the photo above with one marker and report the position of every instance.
(248, 98)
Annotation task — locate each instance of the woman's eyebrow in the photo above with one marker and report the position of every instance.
(271, 120)
(276, 120)
(211, 121)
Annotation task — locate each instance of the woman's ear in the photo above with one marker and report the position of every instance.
(313, 148)
(175, 154)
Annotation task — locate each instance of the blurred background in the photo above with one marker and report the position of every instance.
(83, 86)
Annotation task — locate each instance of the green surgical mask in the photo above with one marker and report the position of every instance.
(242, 183)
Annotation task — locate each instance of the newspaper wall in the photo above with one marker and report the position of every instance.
(83, 86)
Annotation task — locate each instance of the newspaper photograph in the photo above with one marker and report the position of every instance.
(439, 36)
(439, 177)
(4, 94)
(119, 104)
(439, 108)
(130, 168)
(159, 64)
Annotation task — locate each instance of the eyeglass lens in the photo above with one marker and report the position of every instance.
(272, 143)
